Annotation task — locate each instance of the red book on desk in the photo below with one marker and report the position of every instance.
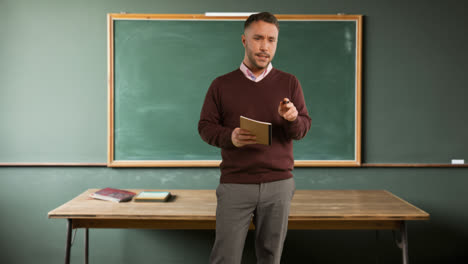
(113, 195)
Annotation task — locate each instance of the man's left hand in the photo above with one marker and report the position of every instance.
(287, 110)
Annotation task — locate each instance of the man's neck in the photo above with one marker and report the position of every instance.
(251, 76)
(256, 71)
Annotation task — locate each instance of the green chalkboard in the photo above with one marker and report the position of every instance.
(161, 68)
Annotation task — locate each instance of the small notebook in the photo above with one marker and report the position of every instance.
(262, 130)
(152, 196)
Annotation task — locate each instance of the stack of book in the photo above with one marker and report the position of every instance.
(113, 195)
(118, 195)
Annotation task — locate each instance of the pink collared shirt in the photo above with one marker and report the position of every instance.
(251, 76)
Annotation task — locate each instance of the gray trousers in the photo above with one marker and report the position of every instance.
(268, 204)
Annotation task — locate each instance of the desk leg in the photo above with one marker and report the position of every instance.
(377, 247)
(86, 245)
(403, 243)
(68, 245)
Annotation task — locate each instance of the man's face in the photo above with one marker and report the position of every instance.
(260, 40)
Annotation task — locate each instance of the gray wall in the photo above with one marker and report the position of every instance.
(53, 92)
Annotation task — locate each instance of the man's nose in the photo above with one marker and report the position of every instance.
(263, 46)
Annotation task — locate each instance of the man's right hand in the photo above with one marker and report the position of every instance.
(241, 137)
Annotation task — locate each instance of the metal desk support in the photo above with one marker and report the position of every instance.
(68, 245)
(86, 245)
(403, 242)
(69, 242)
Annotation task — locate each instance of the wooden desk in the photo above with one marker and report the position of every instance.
(196, 209)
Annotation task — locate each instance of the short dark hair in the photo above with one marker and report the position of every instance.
(263, 16)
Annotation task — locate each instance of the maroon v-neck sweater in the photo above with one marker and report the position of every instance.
(233, 95)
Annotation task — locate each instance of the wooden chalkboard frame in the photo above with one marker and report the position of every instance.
(111, 162)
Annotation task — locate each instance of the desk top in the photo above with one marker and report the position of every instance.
(309, 205)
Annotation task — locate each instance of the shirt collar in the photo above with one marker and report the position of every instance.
(249, 75)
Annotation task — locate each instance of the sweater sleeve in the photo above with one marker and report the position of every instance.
(210, 126)
(299, 127)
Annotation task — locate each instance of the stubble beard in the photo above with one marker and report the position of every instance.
(252, 59)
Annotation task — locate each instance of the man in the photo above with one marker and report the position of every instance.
(256, 180)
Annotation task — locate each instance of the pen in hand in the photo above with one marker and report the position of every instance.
(287, 110)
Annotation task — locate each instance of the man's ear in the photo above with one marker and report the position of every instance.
(243, 39)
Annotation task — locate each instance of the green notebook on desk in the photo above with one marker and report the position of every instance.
(152, 196)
